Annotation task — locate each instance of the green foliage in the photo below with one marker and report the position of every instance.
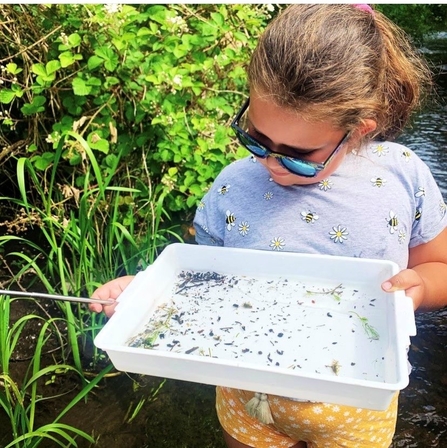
(150, 82)
(90, 239)
(417, 20)
(20, 398)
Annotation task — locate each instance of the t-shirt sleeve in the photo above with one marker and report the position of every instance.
(430, 208)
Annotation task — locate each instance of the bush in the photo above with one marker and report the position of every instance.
(152, 83)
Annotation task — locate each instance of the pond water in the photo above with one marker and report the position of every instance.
(423, 404)
(183, 416)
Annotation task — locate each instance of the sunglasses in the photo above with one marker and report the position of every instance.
(295, 165)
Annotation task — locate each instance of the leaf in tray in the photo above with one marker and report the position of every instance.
(334, 292)
(369, 329)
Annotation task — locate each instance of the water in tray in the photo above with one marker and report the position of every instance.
(284, 323)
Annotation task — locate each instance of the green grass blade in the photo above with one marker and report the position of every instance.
(85, 390)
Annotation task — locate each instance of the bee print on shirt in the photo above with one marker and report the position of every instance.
(277, 243)
(418, 214)
(378, 181)
(309, 217)
(230, 220)
(406, 155)
(224, 189)
(339, 234)
(325, 185)
(381, 150)
(392, 221)
(420, 192)
(244, 228)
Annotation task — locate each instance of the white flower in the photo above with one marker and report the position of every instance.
(177, 80)
(402, 236)
(325, 185)
(177, 20)
(339, 234)
(244, 228)
(277, 243)
(381, 150)
(112, 8)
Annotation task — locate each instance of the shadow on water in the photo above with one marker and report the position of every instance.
(183, 416)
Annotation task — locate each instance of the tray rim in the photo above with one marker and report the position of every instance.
(401, 382)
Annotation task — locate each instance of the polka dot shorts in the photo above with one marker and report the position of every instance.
(321, 425)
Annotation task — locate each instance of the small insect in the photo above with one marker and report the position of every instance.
(420, 192)
(378, 181)
(392, 221)
(406, 154)
(418, 214)
(230, 220)
(224, 189)
(247, 305)
(309, 217)
(334, 366)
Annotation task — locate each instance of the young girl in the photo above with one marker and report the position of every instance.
(330, 86)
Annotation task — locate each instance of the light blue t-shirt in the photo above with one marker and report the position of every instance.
(380, 202)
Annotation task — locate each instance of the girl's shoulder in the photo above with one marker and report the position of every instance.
(396, 157)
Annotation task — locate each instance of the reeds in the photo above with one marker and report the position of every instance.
(20, 397)
(80, 240)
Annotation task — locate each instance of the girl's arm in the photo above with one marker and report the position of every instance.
(425, 280)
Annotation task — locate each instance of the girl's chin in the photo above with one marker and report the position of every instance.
(287, 179)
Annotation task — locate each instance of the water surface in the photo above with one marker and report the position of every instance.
(422, 418)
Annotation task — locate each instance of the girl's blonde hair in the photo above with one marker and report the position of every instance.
(342, 64)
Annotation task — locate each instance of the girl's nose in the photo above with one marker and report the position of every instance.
(273, 162)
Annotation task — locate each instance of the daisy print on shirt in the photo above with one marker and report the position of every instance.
(381, 150)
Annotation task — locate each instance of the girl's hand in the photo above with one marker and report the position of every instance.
(409, 281)
(110, 290)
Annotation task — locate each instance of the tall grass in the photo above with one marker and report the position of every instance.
(82, 237)
(86, 240)
(20, 397)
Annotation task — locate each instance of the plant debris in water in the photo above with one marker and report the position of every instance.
(278, 322)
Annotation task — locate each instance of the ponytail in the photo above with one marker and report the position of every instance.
(341, 64)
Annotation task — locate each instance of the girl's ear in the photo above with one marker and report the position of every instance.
(369, 125)
(358, 134)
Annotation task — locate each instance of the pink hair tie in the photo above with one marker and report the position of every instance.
(364, 7)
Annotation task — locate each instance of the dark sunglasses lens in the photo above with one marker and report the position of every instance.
(251, 145)
(298, 167)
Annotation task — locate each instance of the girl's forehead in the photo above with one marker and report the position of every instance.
(286, 127)
(263, 111)
(309, 113)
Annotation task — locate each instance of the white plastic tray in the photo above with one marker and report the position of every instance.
(308, 327)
